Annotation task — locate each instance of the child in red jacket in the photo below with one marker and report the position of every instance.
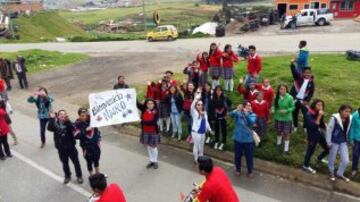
(250, 91)
(215, 56)
(261, 108)
(267, 91)
(254, 65)
(203, 60)
(4, 130)
(229, 58)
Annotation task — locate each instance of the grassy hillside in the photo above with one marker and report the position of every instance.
(45, 26)
(180, 14)
(40, 60)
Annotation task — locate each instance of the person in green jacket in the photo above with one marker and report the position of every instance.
(283, 108)
(354, 139)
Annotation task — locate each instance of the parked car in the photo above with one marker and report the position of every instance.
(318, 17)
(165, 32)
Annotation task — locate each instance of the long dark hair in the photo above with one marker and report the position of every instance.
(211, 51)
(278, 94)
(150, 100)
(315, 102)
(222, 96)
(44, 89)
(344, 107)
(176, 90)
(2, 105)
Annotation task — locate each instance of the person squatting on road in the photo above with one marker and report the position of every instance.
(104, 192)
(89, 140)
(217, 187)
(336, 138)
(243, 137)
(4, 130)
(43, 102)
(65, 143)
(150, 136)
(316, 130)
(200, 125)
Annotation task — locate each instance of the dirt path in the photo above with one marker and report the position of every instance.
(74, 83)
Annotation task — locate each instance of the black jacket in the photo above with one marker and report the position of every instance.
(298, 81)
(63, 134)
(120, 86)
(223, 103)
(89, 140)
(178, 101)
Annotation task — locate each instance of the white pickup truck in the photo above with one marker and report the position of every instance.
(308, 17)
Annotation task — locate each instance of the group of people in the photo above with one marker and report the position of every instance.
(205, 107)
(7, 69)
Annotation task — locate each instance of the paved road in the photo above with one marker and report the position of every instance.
(35, 174)
(279, 43)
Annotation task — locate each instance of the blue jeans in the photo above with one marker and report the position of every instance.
(356, 156)
(176, 123)
(341, 148)
(43, 123)
(248, 149)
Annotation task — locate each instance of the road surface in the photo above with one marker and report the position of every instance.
(35, 175)
(278, 43)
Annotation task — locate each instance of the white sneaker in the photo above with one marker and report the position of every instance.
(207, 140)
(332, 178)
(216, 145)
(221, 147)
(295, 129)
(305, 130)
(324, 161)
(344, 178)
(309, 170)
(173, 136)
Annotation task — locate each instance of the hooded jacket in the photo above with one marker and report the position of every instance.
(335, 130)
(354, 134)
(302, 59)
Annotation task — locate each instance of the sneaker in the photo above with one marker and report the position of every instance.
(332, 178)
(149, 165)
(9, 156)
(3, 158)
(179, 138)
(173, 136)
(324, 161)
(80, 180)
(156, 166)
(208, 139)
(67, 180)
(309, 170)
(216, 146)
(305, 130)
(221, 147)
(42, 145)
(295, 129)
(353, 173)
(344, 178)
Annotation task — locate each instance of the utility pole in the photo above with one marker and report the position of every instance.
(144, 16)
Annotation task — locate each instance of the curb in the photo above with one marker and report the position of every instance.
(319, 180)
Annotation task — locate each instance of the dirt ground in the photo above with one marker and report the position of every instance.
(99, 73)
(337, 26)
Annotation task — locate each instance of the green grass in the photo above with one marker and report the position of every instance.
(183, 15)
(336, 81)
(40, 60)
(44, 26)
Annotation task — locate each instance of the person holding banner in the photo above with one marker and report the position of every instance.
(150, 136)
(89, 140)
(121, 83)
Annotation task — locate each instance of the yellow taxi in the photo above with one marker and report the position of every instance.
(164, 32)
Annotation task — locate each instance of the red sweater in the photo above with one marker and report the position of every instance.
(112, 193)
(248, 94)
(215, 59)
(149, 122)
(153, 92)
(217, 188)
(254, 64)
(229, 60)
(204, 63)
(162, 95)
(4, 128)
(261, 109)
(269, 94)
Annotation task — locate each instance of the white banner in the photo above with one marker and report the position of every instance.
(113, 107)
